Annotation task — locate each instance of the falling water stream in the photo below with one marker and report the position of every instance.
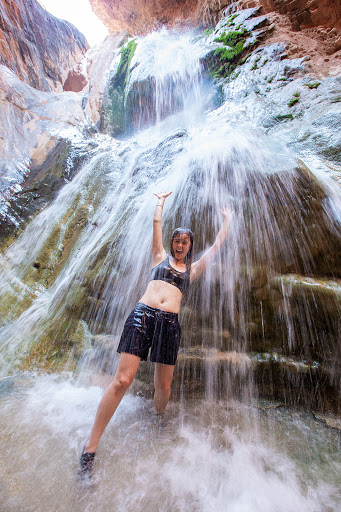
(217, 450)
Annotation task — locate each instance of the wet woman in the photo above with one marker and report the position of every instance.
(153, 324)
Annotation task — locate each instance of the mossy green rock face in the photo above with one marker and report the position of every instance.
(229, 56)
(59, 346)
(113, 118)
(237, 36)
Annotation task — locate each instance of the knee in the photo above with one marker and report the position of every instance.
(123, 381)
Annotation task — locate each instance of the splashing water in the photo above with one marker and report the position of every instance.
(82, 264)
(211, 457)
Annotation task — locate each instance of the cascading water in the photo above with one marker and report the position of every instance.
(81, 265)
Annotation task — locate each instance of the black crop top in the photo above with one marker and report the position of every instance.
(165, 272)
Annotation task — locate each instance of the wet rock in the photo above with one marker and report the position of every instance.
(220, 339)
(323, 134)
(283, 313)
(290, 380)
(42, 185)
(43, 115)
(285, 378)
(234, 38)
(114, 115)
(330, 420)
(297, 382)
(103, 357)
(6, 386)
(57, 347)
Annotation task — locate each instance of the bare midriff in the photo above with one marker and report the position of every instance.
(162, 295)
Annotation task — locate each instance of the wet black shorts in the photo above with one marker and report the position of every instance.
(150, 328)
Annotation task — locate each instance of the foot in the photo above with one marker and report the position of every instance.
(160, 420)
(86, 462)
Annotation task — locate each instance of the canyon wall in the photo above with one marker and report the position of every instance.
(139, 17)
(38, 47)
(37, 52)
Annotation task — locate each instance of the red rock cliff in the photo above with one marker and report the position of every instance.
(38, 47)
(139, 16)
(308, 27)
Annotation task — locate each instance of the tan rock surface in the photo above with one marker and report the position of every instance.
(321, 44)
(138, 17)
(38, 47)
(141, 17)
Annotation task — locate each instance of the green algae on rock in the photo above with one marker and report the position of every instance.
(295, 99)
(231, 54)
(113, 118)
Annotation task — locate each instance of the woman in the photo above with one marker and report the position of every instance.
(153, 324)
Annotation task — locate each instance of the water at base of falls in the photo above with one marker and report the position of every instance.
(209, 457)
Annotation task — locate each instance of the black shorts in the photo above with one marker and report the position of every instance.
(150, 328)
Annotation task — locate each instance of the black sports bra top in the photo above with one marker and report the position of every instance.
(165, 272)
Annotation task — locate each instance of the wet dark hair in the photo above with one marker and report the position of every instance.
(184, 231)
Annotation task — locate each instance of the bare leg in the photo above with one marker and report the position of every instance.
(163, 377)
(124, 376)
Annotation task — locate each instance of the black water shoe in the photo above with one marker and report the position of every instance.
(86, 463)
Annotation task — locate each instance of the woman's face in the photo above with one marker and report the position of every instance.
(181, 245)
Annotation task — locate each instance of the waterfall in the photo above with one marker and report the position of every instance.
(74, 274)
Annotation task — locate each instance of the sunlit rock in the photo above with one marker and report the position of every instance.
(38, 47)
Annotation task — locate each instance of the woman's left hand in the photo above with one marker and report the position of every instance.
(227, 213)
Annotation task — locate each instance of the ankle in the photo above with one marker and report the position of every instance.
(89, 448)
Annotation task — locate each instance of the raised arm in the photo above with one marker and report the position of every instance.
(200, 266)
(158, 251)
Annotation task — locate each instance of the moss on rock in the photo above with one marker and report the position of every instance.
(113, 119)
(295, 99)
(228, 57)
(58, 348)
